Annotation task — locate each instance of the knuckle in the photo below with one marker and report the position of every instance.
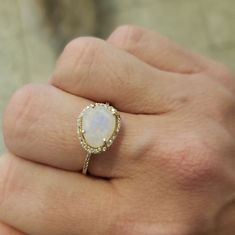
(21, 112)
(84, 48)
(77, 59)
(127, 35)
(128, 29)
(71, 46)
(193, 160)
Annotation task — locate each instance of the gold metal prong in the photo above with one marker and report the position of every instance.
(83, 131)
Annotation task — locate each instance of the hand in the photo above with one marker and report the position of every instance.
(171, 168)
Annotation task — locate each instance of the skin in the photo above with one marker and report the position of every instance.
(170, 170)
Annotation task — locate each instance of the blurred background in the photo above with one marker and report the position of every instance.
(33, 33)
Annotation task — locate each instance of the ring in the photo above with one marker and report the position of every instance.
(97, 127)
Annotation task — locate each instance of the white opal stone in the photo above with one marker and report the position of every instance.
(99, 124)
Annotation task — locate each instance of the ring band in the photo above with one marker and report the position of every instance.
(86, 163)
(97, 127)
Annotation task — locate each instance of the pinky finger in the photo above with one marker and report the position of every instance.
(7, 230)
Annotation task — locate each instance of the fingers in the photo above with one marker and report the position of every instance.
(41, 200)
(40, 125)
(7, 230)
(156, 50)
(164, 54)
(93, 69)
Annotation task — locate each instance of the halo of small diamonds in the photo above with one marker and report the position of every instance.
(107, 143)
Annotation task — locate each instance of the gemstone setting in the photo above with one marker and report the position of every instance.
(97, 127)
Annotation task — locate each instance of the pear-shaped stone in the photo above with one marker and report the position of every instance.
(98, 125)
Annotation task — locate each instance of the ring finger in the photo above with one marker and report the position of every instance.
(40, 125)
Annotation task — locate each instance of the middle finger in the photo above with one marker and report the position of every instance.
(94, 69)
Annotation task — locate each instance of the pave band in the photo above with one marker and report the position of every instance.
(86, 163)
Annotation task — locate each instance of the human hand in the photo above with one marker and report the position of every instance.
(171, 168)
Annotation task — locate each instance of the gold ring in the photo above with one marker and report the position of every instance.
(97, 127)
